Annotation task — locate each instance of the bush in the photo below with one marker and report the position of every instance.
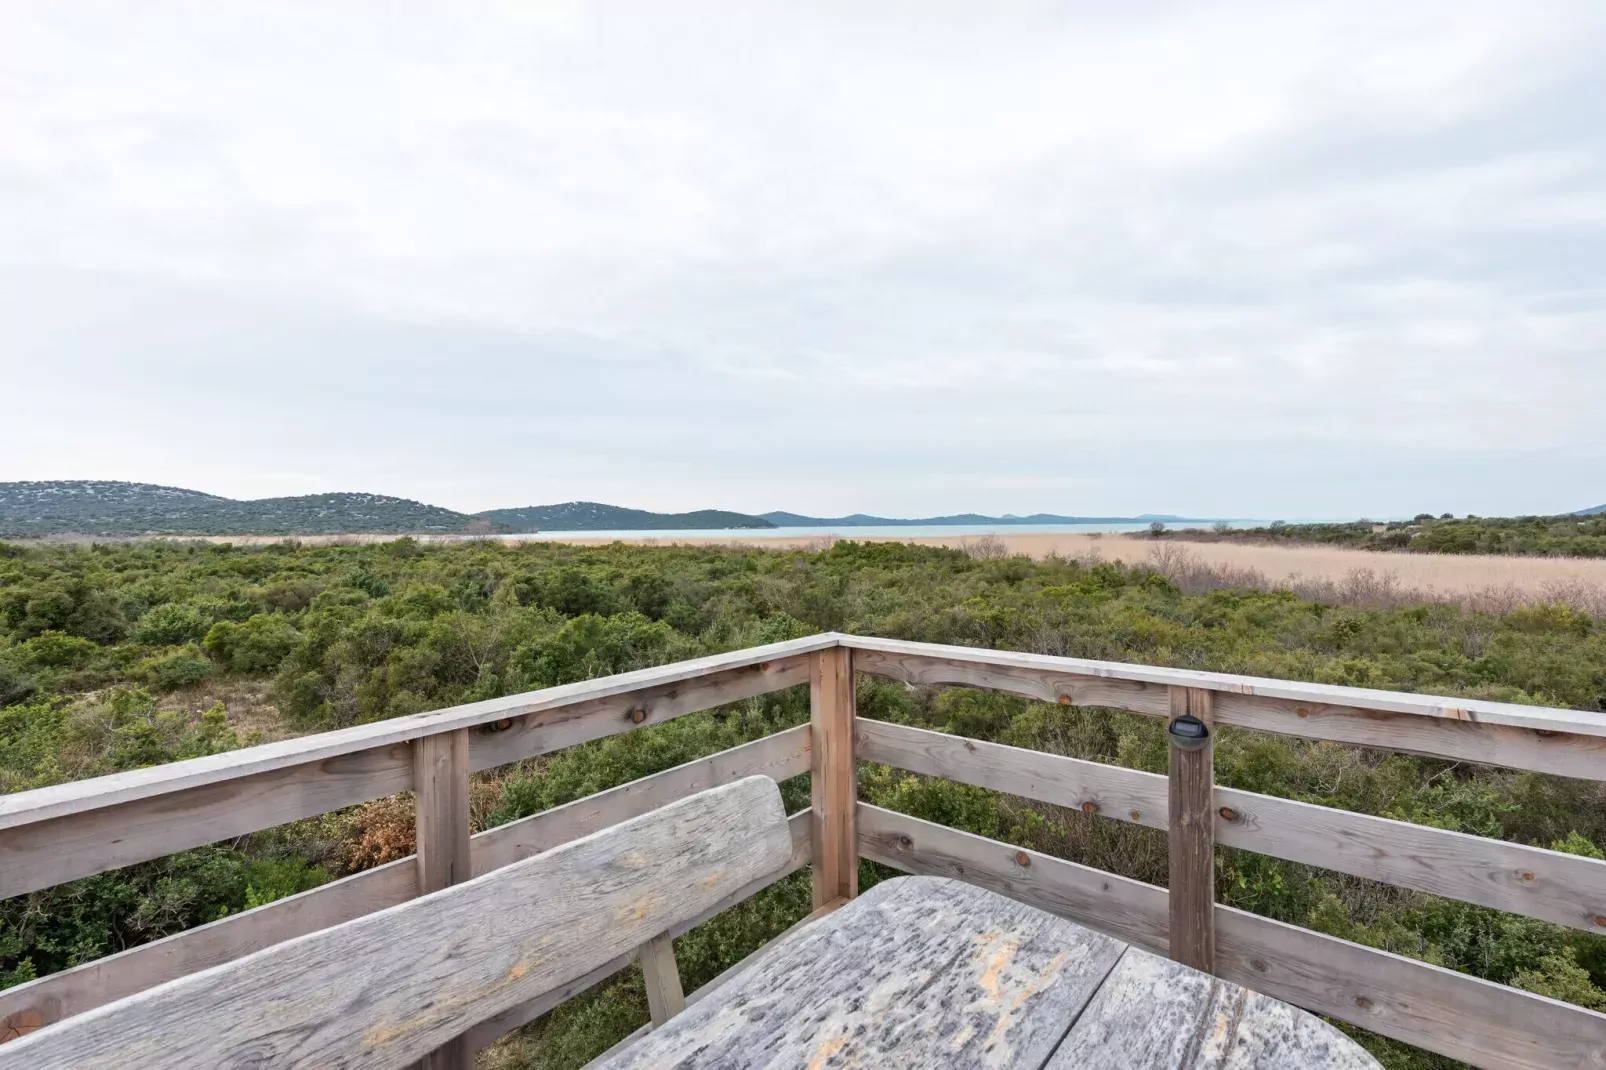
(256, 647)
(177, 669)
(54, 649)
(169, 625)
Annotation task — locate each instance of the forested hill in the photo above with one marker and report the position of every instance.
(594, 516)
(108, 508)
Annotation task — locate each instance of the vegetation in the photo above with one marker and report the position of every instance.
(119, 656)
(1573, 535)
(594, 516)
(107, 509)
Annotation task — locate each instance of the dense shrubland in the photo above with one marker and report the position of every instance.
(1540, 536)
(116, 657)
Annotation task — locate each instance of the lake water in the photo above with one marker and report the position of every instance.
(886, 531)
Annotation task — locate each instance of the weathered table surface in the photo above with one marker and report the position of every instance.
(923, 971)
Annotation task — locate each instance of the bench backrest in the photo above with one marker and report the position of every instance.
(387, 989)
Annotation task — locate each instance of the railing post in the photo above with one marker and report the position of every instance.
(834, 783)
(660, 971)
(1192, 829)
(440, 782)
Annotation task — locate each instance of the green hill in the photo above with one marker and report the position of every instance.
(113, 509)
(594, 516)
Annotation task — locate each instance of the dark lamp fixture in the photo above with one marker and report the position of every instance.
(1188, 732)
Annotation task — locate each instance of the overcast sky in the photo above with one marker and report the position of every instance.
(1305, 260)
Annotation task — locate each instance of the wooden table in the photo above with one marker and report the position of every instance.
(929, 972)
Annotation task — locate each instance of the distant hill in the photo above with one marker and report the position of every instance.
(109, 508)
(860, 520)
(594, 516)
(1597, 511)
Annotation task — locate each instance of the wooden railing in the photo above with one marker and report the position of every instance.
(58, 834)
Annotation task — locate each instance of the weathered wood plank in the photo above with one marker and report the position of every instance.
(1465, 1018)
(46, 853)
(440, 779)
(1066, 687)
(1192, 838)
(1091, 787)
(1564, 742)
(1016, 667)
(388, 988)
(43, 804)
(779, 757)
(82, 988)
(441, 825)
(488, 1031)
(565, 726)
(1124, 908)
(661, 973)
(1151, 1014)
(1543, 751)
(60, 995)
(1450, 1013)
(916, 972)
(1548, 885)
(834, 784)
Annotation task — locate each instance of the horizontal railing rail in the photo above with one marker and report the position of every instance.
(53, 835)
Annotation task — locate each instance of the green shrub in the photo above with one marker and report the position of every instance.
(179, 668)
(170, 624)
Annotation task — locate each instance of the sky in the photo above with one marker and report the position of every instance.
(1300, 260)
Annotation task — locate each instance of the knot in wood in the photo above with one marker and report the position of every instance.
(1090, 807)
(502, 725)
(1258, 965)
(1022, 858)
(905, 842)
(1228, 813)
(1065, 700)
(1600, 919)
(638, 715)
(1137, 815)
(1301, 711)
(1363, 1003)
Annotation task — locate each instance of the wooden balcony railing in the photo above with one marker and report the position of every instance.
(62, 833)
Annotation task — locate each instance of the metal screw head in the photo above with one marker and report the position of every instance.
(1188, 732)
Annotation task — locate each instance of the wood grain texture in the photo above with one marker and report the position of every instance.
(553, 729)
(488, 1031)
(1091, 787)
(1540, 750)
(1042, 684)
(43, 804)
(440, 784)
(916, 972)
(94, 984)
(1020, 666)
(1532, 881)
(661, 975)
(779, 757)
(1476, 1021)
(60, 995)
(1192, 839)
(1538, 883)
(1462, 1017)
(441, 824)
(388, 988)
(45, 853)
(833, 784)
(1124, 908)
(1153, 1014)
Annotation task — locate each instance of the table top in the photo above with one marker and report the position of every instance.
(925, 971)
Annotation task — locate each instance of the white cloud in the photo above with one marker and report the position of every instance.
(1298, 259)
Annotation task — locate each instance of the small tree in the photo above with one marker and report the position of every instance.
(1157, 528)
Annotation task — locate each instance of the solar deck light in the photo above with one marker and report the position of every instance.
(1188, 732)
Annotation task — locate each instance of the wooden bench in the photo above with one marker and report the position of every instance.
(405, 984)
